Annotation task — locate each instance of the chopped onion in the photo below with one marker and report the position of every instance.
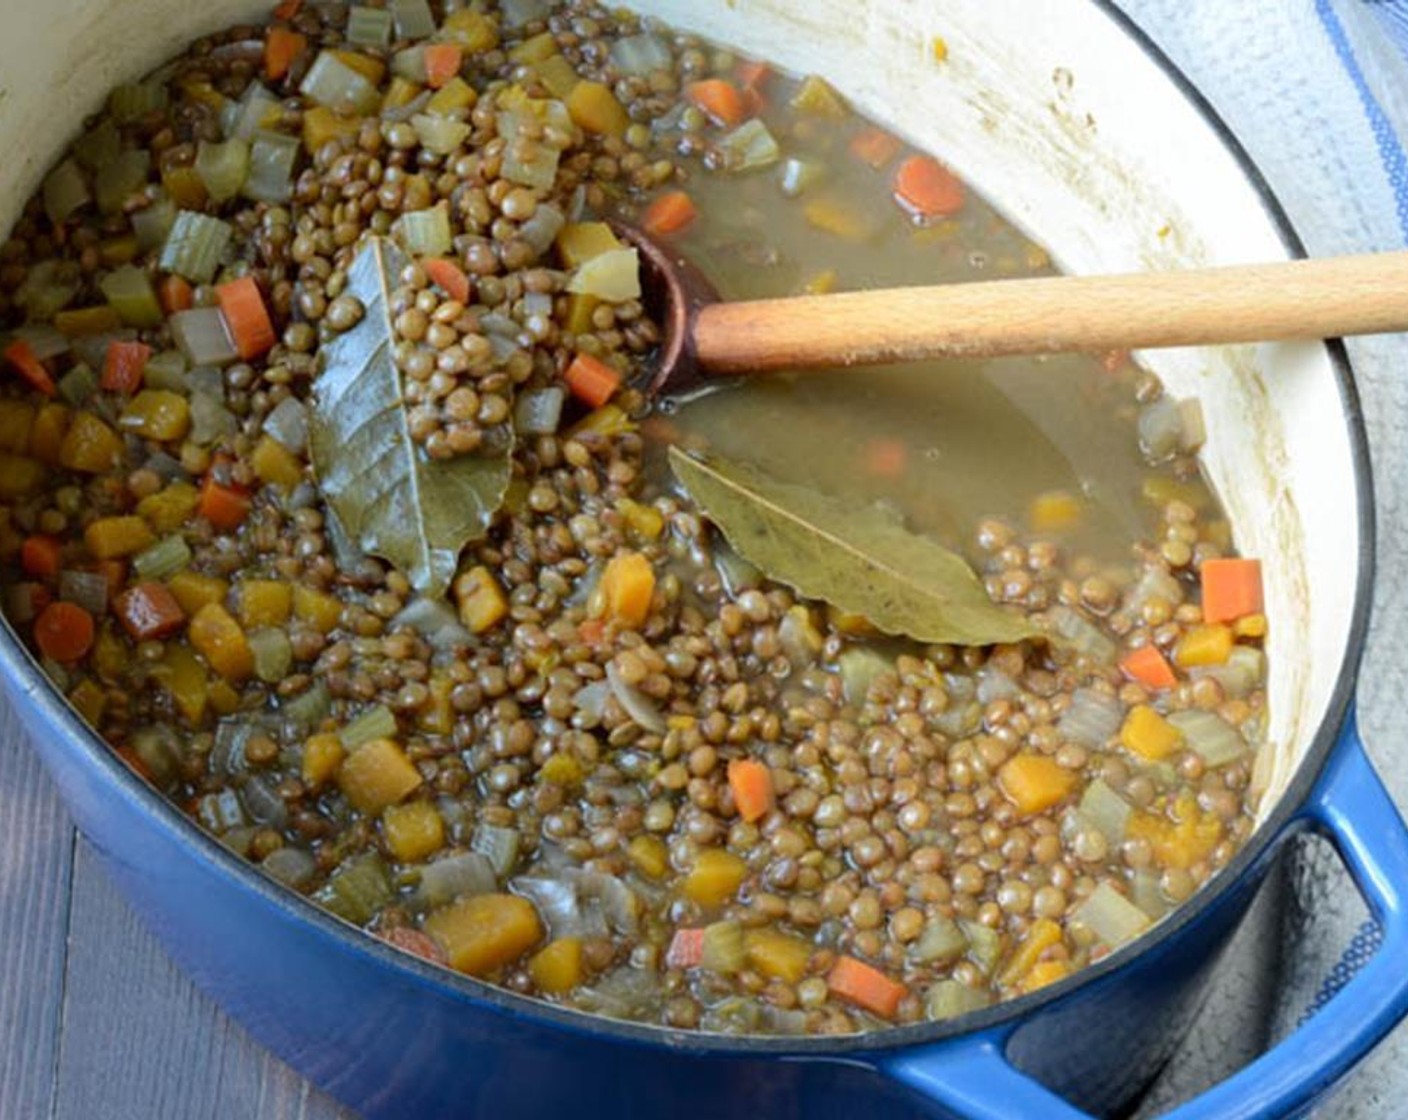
(958, 720)
(749, 147)
(374, 723)
(459, 876)
(613, 276)
(117, 180)
(413, 19)
(288, 423)
(538, 412)
(516, 13)
(1081, 634)
(210, 419)
(1210, 736)
(425, 233)
(202, 336)
(273, 653)
(948, 999)
(163, 559)
(1103, 809)
(368, 27)
(859, 667)
(263, 803)
(44, 340)
(940, 942)
(166, 467)
(498, 845)
(293, 867)
(65, 191)
(799, 637)
(589, 701)
(195, 245)
(537, 303)
(334, 84)
(88, 589)
(436, 622)
(1144, 889)
(208, 380)
(1092, 719)
(580, 903)
(166, 370)
(541, 230)
(153, 224)
(309, 708)
(1111, 916)
(439, 135)
(994, 684)
(636, 703)
(223, 168)
(1244, 669)
(639, 56)
(635, 993)
(272, 158)
(1160, 429)
(1156, 583)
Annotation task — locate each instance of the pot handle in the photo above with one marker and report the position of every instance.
(973, 1079)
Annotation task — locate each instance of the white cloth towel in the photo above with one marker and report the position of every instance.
(1317, 91)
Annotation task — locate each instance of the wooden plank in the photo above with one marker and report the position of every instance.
(141, 1043)
(36, 863)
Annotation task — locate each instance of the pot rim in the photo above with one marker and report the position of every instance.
(19, 666)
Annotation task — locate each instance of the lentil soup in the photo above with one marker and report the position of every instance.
(328, 497)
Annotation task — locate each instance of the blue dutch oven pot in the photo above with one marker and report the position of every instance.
(397, 1038)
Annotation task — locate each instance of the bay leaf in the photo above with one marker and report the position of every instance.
(391, 499)
(860, 559)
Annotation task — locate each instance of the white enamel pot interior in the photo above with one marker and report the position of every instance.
(1045, 106)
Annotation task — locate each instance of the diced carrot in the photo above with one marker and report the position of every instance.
(628, 585)
(886, 458)
(1034, 783)
(123, 366)
(669, 214)
(752, 74)
(175, 294)
(40, 556)
(875, 147)
(751, 783)
(928, 189)
(448, 276)
(416, 943)
(225, 507)
(719, 99)
(1149, 667)
(686, 949)
(21, 355)
(442, 63)
(288, 9)
(865, 987)
(247, 318)
(150, 611)
(64, 631)
(281, 48)
(1231, 589)
(591, 380)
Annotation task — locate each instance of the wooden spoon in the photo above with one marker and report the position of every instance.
(705, 336)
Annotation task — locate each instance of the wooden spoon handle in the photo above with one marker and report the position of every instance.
(1323, 298)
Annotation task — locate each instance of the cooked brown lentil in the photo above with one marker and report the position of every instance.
(958, 820)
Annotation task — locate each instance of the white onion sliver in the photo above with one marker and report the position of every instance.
(636, 703)
(288, 423)
(1092, 719)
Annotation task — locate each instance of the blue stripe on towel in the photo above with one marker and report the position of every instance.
(1362, 947)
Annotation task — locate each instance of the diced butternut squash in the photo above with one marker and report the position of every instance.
(715, 877)
(221, 640)
(90, 446)
(1045, 972)
(275, 465)
(185, 186)
(580, 242)
(1055, 510)
(649, 856)
(557, 967)
(482, 603)
(594, 108)
(110, 656)
(185, 680)
(1203, 645)
(835, 217)
(628, 584)
(1179, 843)
(644, 522)
(580, 309)
(16, 419)
(318, 609)
(20, 477)
(413, 831)
(322, 755)
(264, 602)
(778, 956)
(483, 933)
(400, 93)
(453, 99)
(373, 69)
(168, 510)
(537, 49)
(1148, 734)
(46, 438)
(437, 715)
(157, 414)
(224, 698)
(194, 591)
(1041, 935)
(1252, 626)
(321, 125)
(377, 775)
(1034, 783)
(110, 538)
(474, 31)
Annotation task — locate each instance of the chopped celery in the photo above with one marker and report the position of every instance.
(78, 384)
(425, 233)
(613, 276)
(202, 336)
(368, 27)
(273, 653)
(543, 227)
(255, 110)
(949, 999)
(1104, 809)
(641, 55)
(531, 164)
(498, 845)
(749, 147)
(153, 225)
(331, 82)
(134, 100)
(163, 559)
(409, 64)
(130, 292)
(195, 245)
(166, 370)
(439, 134)
(310, 708)
(120, 178)
(210, 419)
(1210, 736)
(223, 168)
(940, 942)
(65, 190)
(984, 944)
(413, 19)
(98, 147)
(271, 163)
(557, 76)
(1244, 669)
(357, 889)
(374, 723)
